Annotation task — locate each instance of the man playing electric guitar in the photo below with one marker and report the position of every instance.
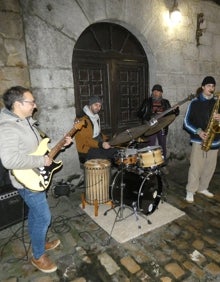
(19, 138)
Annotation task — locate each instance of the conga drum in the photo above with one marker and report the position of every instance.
(97, 180)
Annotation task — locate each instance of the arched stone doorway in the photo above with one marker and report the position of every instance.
(110, 62)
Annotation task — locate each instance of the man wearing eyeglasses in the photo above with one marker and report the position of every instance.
(18, 139)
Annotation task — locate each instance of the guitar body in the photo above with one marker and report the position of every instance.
(38, 179)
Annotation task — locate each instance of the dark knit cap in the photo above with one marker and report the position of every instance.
(157, 87)
(94, 99)
(208, 80)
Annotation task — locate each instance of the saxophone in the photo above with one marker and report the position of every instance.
(213, 126)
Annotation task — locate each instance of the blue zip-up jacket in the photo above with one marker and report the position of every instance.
(197, 116)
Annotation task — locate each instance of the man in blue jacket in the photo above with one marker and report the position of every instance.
(202, 163)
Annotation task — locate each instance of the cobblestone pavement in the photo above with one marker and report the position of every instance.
(186, 249)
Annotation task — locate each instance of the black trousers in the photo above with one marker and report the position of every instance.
(98, 153)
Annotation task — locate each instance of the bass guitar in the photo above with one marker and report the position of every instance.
(38, 179)
(155, 119)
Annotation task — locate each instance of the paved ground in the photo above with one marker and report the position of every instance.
(187, 249)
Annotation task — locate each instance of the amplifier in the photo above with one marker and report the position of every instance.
(12, 207)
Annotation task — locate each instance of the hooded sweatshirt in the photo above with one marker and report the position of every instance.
(95, 121)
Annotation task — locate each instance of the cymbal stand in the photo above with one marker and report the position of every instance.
(121, 205)
(119, 214)
(122, 186)
(165, 186)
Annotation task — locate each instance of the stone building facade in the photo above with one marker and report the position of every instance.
(37, 40)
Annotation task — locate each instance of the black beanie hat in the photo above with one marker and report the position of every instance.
(94, 99)
(157, 87)
(208, 80)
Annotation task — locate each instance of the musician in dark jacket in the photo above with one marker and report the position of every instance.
(20, 138)
(152, 106)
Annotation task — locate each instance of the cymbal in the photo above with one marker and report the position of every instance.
(129, 135)
(142, 130)
(161, 123)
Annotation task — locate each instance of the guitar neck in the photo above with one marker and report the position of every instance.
(173, 107)
(56, 149)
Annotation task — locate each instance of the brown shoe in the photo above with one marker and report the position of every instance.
(44, 264)
(52, 245)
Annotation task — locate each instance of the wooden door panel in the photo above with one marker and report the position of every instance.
(130, 92)
(91, 79)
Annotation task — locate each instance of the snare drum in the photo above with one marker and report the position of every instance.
(97, 180)
(126, 156)
(150, 156)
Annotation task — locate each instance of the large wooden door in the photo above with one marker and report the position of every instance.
(117, 72)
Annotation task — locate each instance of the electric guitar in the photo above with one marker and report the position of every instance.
(38, 179)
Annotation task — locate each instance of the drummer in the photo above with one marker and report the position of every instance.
(91, 143)
(152, 106)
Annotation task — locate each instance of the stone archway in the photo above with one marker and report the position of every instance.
(110, 62)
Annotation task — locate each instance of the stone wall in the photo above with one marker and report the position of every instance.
(13, 57)
(51, 29)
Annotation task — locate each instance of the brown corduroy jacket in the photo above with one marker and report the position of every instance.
(84, 139)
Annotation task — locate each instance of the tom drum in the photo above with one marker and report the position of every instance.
(150, 156)
(127, 156)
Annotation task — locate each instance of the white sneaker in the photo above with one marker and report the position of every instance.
(206, 193)
(190, 197)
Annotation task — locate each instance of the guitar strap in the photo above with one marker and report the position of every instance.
(42, 134)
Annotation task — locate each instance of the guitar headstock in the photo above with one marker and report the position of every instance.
(78, 124)
(191, 96)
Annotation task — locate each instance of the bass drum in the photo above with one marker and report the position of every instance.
(140, 191)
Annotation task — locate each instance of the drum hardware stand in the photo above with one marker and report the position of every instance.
(165, 185)
(134, 205)
(119, 214)
(121, 206)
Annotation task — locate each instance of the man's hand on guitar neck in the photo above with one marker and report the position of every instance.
(68, 140)
(47, 160)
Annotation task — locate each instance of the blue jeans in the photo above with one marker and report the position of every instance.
(39, 218)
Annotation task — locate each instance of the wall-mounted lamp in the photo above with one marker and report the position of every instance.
(175, 15)
(201, 27)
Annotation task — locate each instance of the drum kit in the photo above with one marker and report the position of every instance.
(137, 183)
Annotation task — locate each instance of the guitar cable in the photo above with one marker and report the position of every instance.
(16, 236)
